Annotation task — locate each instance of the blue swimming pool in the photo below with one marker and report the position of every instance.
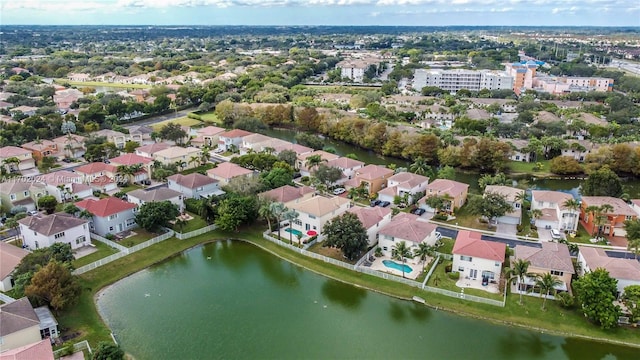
(294, 231)
(395, 266)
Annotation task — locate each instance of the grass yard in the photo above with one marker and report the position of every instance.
(464, 219)
(445, 282)
(528, 168)
(81, 84)
(104, 250)
(184, 121)
(330, 252)
(193, 224)
(141, 236)
(129, 188)
(447, 246)
(200, 168)
(210, 116)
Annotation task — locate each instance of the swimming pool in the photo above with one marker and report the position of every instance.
(394, 265)
(294, 231)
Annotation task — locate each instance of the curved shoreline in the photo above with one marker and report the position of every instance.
(99, 292)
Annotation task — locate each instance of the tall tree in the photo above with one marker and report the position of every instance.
(152, 216)
(347, 234)
(631, 300)
(596, 291)
(401, 251)
(546, 283)
(491, 206)
(48, 203)
(54, 285)
(573, 205)
(519, 269)
(423, 251)
(277, 210)
(264, 210)
(420, 167)
(327, 175)
(290, 215)
(603, 182)
(108, 351)
(632, 227)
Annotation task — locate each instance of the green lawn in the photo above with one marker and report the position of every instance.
(204, 168)
(445, 282)
(463, 218)
(84, 319)
(210, 117)
(104, 250)
(184, 121)
(81, 84)
(330, 252)
(193, 224)
(526, 226)
(447, 246)
(141, 236)
(528, 168)
(129, 188)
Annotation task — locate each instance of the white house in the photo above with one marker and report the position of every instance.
(66, 185)
(347, 166)
(314, 213)
(477, 259)
(140, 196)
(554, 214)
(194, 185)
(401, 184)
(373, 219)
(626, 271)
(110, 215)
(40, 231)
(226, 171)
(232, 140)
(10, 257)
(514, 197)
(149, 151)
(408, 228)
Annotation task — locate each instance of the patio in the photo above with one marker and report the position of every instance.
(477, 284)
(84, 251)
(379, 265)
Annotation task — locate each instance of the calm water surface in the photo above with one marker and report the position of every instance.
(233, 300)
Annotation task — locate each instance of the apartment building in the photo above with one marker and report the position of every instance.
(457, 79)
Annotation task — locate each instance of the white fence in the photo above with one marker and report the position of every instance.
(193, 233)
(82, 345)
(110, 243)
(433, 267)
(463, 296)
(122, 253)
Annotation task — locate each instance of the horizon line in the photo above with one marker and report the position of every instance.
(343, 25)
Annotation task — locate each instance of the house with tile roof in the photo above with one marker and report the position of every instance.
(635, 205)
(110, 215)
(408, 228)
(287, 194)
(140, 196)
(315, 212)
(477, 259)
(372, 177)
(10, 257)
(297, 148)
(514, 197)
(454, 192)
(183, 158)
(149, 150)
(347, 165)
(70, 146)
(40, 350)
(626, 271)
(207, 136)
(134, 160)
(66, 185)
(116, 137)
(403, 184)
(225, 171)
(614, 224)
(232, 140)
(42, 148)
(41, 231)
(20, 325)
(92, 171)
(552, 258)
(373, 219)
(250, 143)
(555, 215)
(195, 185)
(301, 162)
(21, 192)
(25, 164)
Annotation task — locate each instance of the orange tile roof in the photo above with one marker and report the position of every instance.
(469, 243)
(105, 207)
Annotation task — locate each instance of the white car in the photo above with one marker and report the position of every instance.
(555, 234)
(339, 191)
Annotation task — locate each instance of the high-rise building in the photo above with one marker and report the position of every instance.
(454, 80)
(523, 74)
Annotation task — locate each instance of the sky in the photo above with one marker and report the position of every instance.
(322, 12)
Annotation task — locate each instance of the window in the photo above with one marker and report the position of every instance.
(114, 216)
(385, 248)
(628, 217)
(26, 193)
(12, 196)
(131, 222)
(556, 272)
(517, 205)
(311, 217)
(460, 268)
(497, 264)
(37, 245)
(58, 235)
(465, 258)
(80, 240)
(307, 227)
(200, 188)
(110, 228)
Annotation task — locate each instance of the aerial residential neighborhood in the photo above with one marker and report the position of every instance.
(492, 173)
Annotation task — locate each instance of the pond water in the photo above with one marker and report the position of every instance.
(232, 300)
(566, 185)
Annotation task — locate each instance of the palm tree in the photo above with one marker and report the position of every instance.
(573, 205)
(265, 211)
(594, 211)
(180, 223)
(205, 155)
(194, 159)
(207, 211)
(519, 270)
(401, 252)
(181, 164)
(125, 171)
(277, 211)
(290, 215)
(536, 214)
(313, 160)
(420, 166)
(546, 283)
(423, 251)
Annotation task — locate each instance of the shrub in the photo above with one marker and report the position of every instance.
(194, 116)
(109, 236)
(378, 252)
(447, 268)
(193, 205)
(566, 300)
(17, 209)
(519, 227)
(454, 275)
(440, 217)
(120, 194)
(66, 351)
(97, 193)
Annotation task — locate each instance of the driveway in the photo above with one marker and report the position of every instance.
(507, 230)
(544, 235)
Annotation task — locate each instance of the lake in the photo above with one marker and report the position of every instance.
(233, 300)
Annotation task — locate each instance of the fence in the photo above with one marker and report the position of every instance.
(193, 233)
(110, 243)
(445, 256)
(461, 295)
(122, 253)
(82, 345)
(435, 263)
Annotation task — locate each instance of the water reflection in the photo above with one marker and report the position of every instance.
(578, 349)
(420, 312)
(279, 272)
(531, 343)
(342, 294)
(397, 312)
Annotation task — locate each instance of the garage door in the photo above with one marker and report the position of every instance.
(619, 232)
(544, 224)
(511, 220)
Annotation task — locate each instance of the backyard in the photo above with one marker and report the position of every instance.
(194, 224)
(531, 167)
(141, 235)
(104, 250)
(440, 279)
(198, 169)
(184, 121)
(331, 252)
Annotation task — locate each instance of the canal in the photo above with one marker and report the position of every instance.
(233, 300)
(565, 185)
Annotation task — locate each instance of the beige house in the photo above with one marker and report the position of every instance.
(288, 194)
(372, 177)
(25, 162)
(71, 146)
(301, 163)
(553, 258)
(20, 325)
(626, 271)
(408, 228)
(207, 136)
(189, 157)
(454, 192)
(19, 192)
(403, 184)
(514, 197)
(314, 213)
(149, 151)
(10, 257)
(226, 171)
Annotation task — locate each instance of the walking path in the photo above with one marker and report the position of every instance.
(6, 298)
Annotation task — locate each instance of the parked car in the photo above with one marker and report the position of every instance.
(384, 204)
(555, 234)
(32, 212)
(419, 211)
(375, 203)
(338, 191)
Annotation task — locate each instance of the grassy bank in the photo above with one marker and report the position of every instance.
(84, 319)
